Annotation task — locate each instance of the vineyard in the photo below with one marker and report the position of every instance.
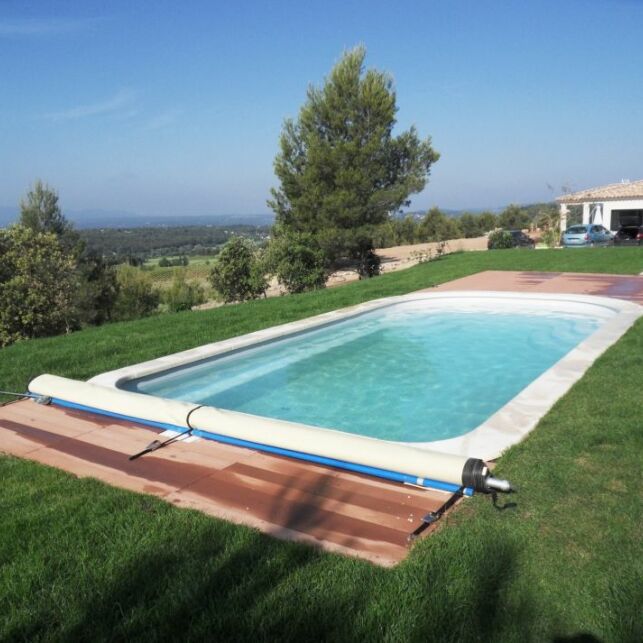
(198, 269)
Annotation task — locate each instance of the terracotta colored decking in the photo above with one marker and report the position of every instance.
(293, 500)
(618, 286)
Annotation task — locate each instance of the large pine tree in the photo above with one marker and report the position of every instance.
(340, 168)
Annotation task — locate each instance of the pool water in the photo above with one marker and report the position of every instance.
(396, 373)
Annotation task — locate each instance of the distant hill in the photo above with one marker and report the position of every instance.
(91, 219)
(88, 219)
(419, 214)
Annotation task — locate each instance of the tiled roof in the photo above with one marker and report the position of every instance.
(612, 192)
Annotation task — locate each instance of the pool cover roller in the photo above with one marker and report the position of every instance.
(325, 446)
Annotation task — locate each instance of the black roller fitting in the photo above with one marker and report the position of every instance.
(474, 474)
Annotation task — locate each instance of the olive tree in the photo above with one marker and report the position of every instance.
(37, 285)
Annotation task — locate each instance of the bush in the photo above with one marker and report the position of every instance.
(238, 273)
(297, 262)
(183, 294)
(500, 240)
(136, 297)
(369, 265)
(551, 237)
(37, 285)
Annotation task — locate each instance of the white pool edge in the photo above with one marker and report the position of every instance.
(508, 426)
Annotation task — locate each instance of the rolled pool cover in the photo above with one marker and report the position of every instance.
(325, 446)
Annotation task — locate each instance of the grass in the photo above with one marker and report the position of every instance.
(81, 560)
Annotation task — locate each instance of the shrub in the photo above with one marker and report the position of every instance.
(183, 294)
(37, 285)
(551, 237)
(238, 275)
(297, 262)
(369, 265)
(136, 297)
(500, 240)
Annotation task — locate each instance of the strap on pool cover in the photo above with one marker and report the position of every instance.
(433, 516)
(155, 445)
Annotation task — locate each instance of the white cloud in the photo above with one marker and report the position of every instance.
(120, 101)
(162, 120)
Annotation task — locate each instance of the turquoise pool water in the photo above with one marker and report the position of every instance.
(396, 373)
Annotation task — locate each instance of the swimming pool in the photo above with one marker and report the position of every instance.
(412, 386)
(408, 372)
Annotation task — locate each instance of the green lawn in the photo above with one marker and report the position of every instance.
(82, 561)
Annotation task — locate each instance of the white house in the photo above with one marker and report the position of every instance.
(609, 205)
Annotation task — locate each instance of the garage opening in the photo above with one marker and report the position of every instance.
(626, 218)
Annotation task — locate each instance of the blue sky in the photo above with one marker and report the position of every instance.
(176, 107)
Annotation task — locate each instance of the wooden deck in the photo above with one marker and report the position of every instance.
(339, 511)
(617, 286)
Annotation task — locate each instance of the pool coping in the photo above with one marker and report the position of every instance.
(507, 426)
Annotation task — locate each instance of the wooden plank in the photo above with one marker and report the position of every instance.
(29, 413)
(370, 484)
(295, 515)
(383, 503)
(376, 552)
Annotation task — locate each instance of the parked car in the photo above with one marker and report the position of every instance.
(522, 240)
(518, 240)
(585, 235)
(629, 235)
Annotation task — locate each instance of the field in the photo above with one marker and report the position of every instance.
(81, 560)
(198, 269)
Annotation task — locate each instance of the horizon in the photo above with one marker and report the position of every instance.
(180, 111)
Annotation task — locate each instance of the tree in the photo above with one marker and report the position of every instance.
(513, 217)
(297, 262)
(436, 226)
(488, 221)
(238, 273)
(96, 284)
(341, 170)
(406, 230)
(97, 289)
(137, 296)
(470, 225)
(40, 212)
(548, 220)
(183, 294)
(37, 285)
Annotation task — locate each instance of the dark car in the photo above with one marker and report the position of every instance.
(522, 240)
(629, 235)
